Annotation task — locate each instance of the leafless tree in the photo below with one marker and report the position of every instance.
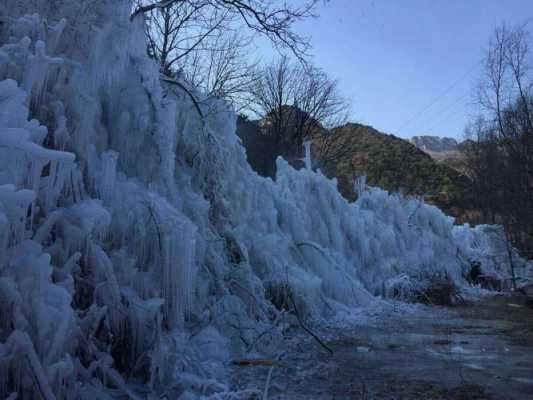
(203, 40)
(299, 102)
(178, 29)
(482, 159)
(331, 147)
(223, 69)
(506, 92)
(499, 152)
(273, 19)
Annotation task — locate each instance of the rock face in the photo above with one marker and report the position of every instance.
(443, 150)
(434, 143)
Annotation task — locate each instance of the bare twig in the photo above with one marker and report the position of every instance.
(305, 328)
(267, 384)
(259, 361)
(275, 21)
(156, 224)
(314, 246)
(187, 91)
(157, 5)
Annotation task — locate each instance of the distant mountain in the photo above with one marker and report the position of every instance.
(434, 143)
(444, 150)
(396, 164)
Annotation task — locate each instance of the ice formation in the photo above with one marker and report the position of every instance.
(138, 250)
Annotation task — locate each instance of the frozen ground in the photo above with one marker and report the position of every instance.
(480, 350)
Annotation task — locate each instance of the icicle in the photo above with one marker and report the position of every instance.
(360, 185)
(107, 290)
(307, 145)
(4, 237)
(54, 34)
(178, 271)
(61, 134)
(108, 177)
(16, 203)
(21, 348)
(44, 230)
(36, 73)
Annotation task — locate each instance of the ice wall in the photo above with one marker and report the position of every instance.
(138, 250)
(488, 245)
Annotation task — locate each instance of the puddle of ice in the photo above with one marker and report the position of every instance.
(475, 366)
(529, 381)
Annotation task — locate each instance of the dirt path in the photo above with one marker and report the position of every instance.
(482, 350)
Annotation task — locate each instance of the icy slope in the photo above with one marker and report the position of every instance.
(138, 251)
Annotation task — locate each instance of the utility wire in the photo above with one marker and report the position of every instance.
(443, 113)
(446, 91)
(436, 99)
(527, 22)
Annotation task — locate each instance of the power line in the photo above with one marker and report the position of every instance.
(446, 91)
(438, 114)
(527, 22)
(436, 99)
(443, 113)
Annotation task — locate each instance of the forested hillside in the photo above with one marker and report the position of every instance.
(397, 165)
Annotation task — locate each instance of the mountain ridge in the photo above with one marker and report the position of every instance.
(398, 165)
(434, 143)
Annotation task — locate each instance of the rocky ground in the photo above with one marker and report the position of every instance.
(479, 350)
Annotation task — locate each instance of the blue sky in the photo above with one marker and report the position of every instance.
(395, 58)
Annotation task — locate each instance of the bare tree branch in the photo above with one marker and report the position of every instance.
(499, 152)
(271, 18)
(299, 103)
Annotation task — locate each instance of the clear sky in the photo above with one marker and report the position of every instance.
(395, 58)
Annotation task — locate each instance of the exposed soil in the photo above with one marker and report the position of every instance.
(480, 350)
